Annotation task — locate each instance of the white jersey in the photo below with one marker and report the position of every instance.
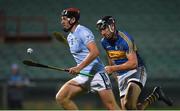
(78, 41)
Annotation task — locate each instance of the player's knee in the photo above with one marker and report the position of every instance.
(129, 105)
(111, 105)
(61, 99)
(58, 98)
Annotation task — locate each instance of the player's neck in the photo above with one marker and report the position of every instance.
(114, 36)
(74, 27)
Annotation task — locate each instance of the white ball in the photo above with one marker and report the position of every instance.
(29, 50)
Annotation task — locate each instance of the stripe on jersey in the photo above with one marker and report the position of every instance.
(114, 55)
(129, 42)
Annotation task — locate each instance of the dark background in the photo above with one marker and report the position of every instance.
(154, 24)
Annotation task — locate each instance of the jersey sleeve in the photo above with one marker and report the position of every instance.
(86, 36)
(129, 45)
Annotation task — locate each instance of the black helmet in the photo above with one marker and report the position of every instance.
(71, 12)
(104, 22)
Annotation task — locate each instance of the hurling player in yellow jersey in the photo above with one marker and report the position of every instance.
(128, 66)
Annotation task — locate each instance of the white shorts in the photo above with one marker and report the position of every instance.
(138, 76)
(99, 82)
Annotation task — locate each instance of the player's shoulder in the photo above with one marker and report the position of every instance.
(104, 41)
(125, 35)
(83, 31)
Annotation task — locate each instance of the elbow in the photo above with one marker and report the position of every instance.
(134, 65)
(96, 54)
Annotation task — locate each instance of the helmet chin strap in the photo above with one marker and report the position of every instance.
(110, 28)
(72, 24)
(113, 33)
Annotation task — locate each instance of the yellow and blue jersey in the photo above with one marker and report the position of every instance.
(118, 49)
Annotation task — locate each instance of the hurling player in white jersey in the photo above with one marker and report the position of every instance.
(85, 52)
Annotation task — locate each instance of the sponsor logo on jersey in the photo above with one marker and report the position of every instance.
(116, 54)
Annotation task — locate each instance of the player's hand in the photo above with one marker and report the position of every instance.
(109, 69)
(74, 70)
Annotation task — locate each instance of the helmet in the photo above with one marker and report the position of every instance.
(104, 22)
(71, 12)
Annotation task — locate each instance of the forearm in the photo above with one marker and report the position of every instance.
(124, 66)
(132, 63)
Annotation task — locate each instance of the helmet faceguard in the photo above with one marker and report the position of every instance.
(70, 13)
(106, 21)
